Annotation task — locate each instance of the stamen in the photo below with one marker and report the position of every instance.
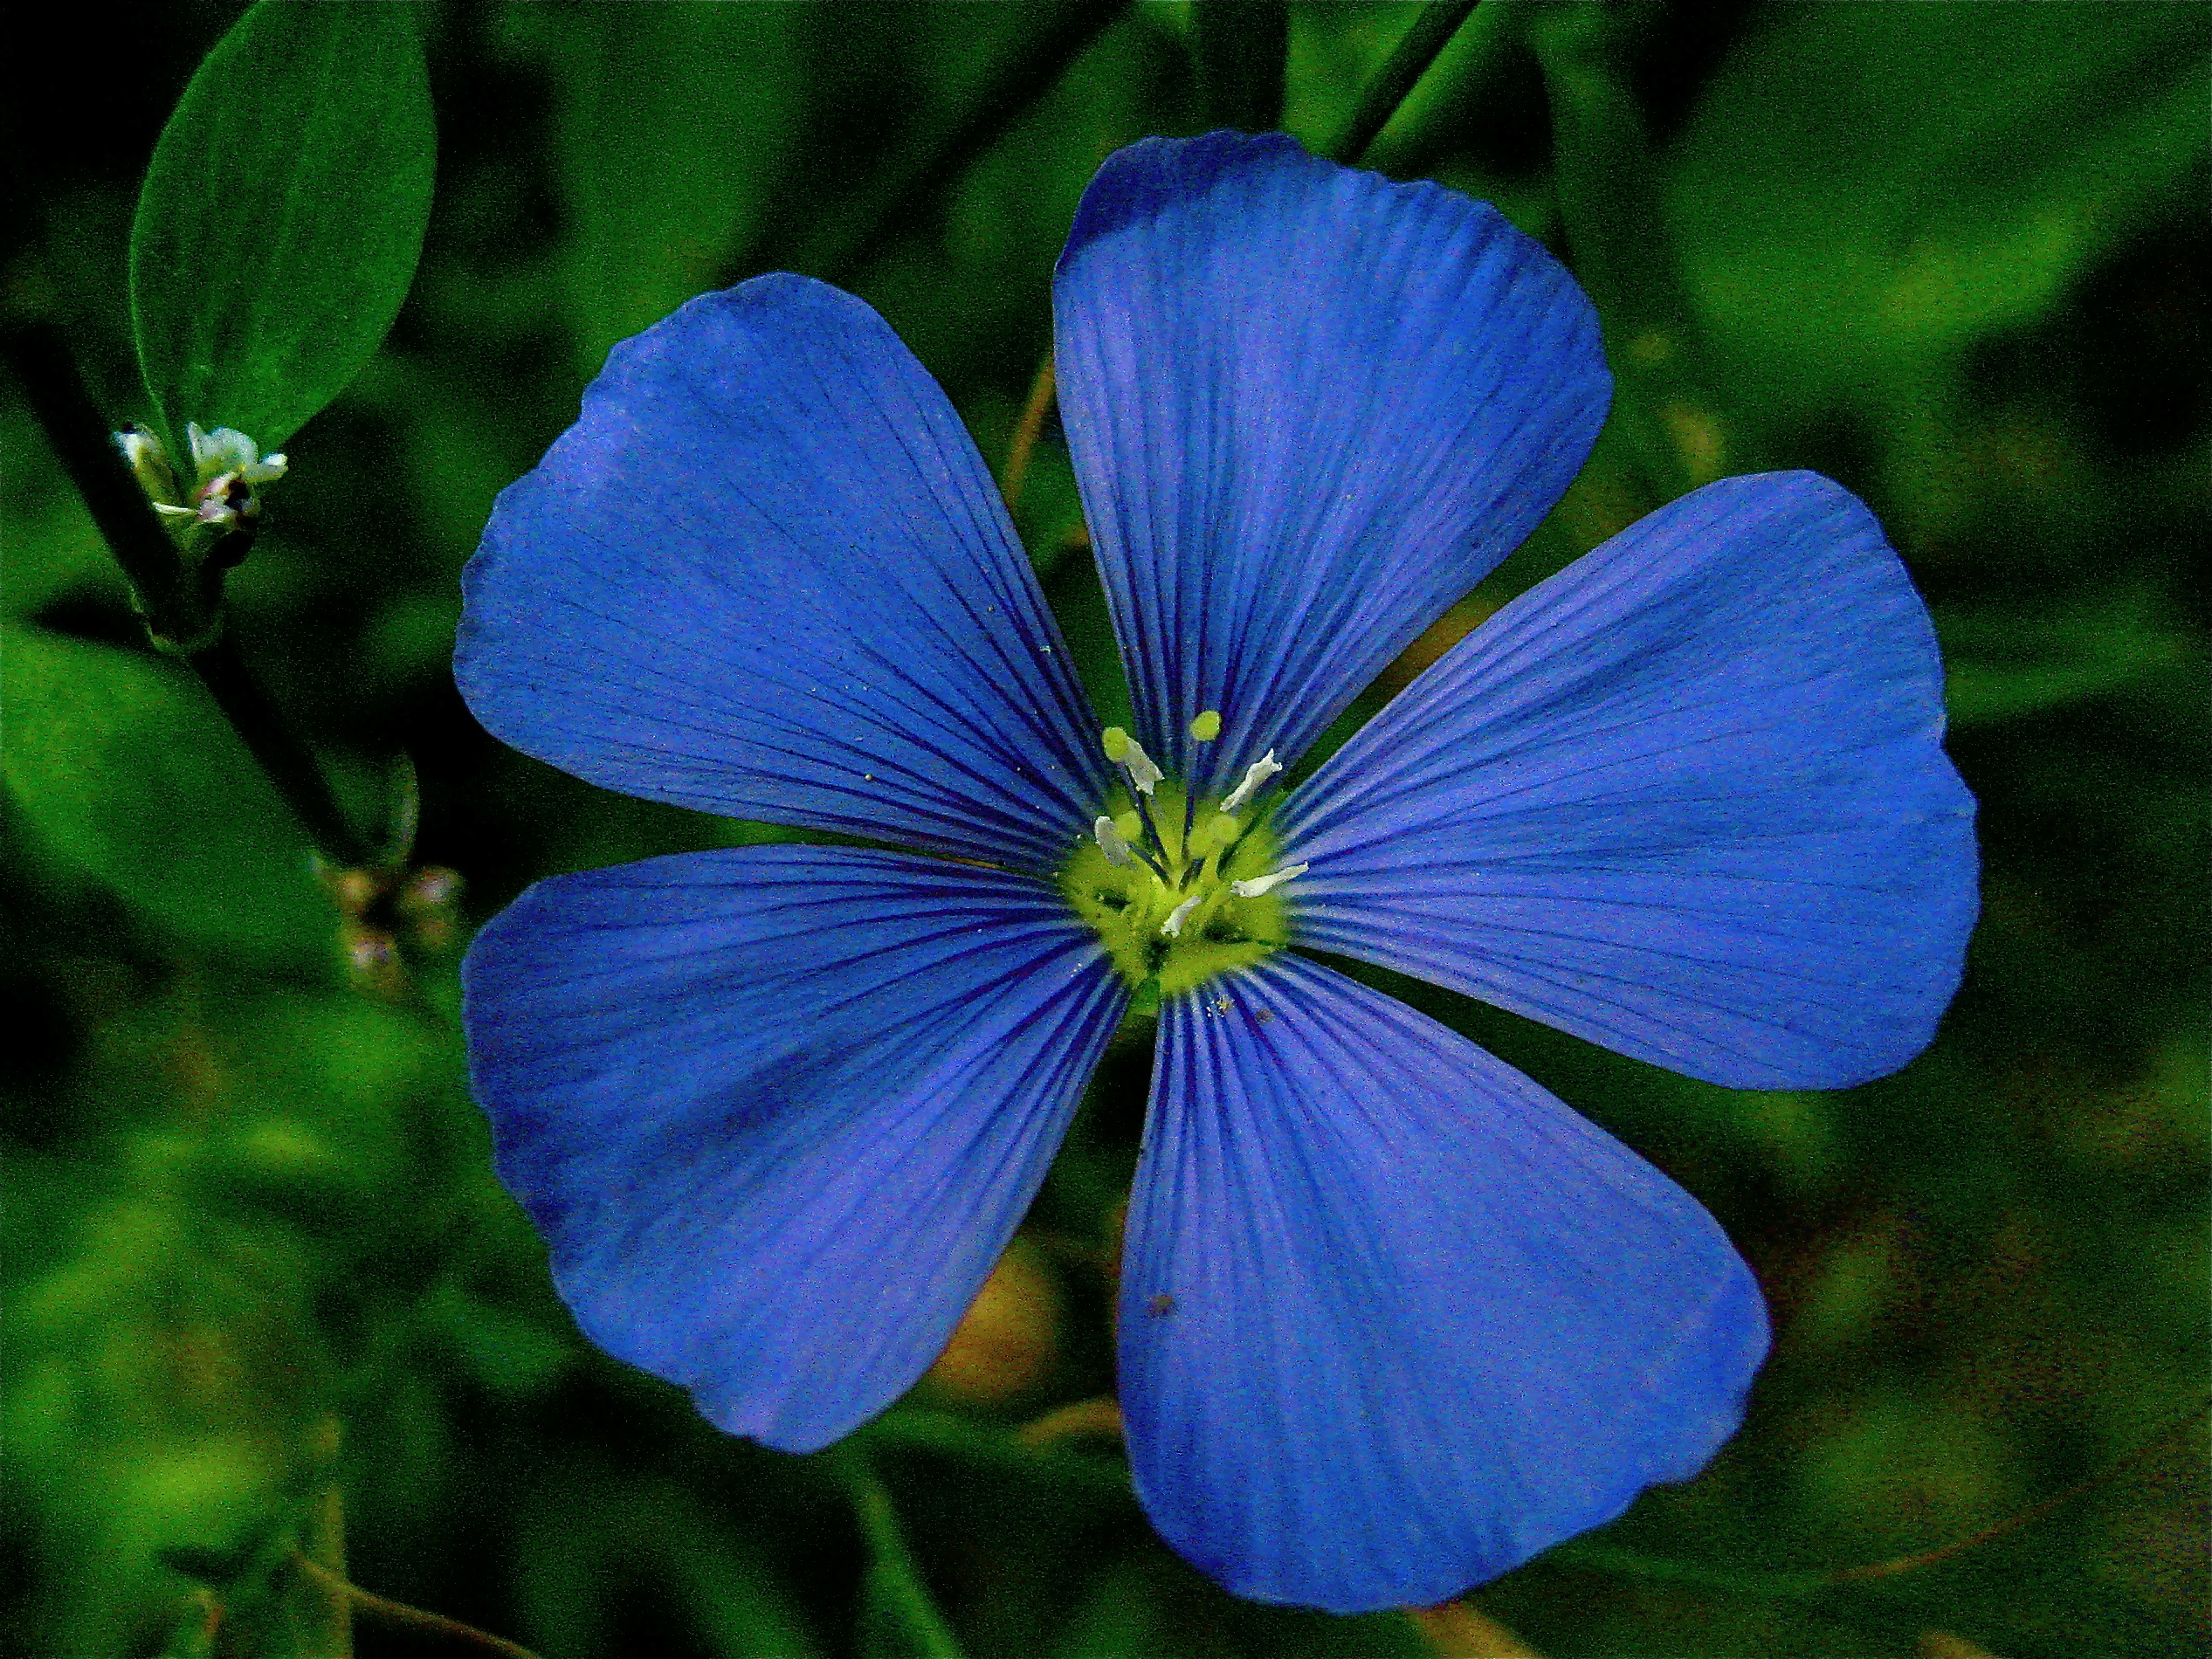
(1172, 926)
(1204, 729)
(1256, 776)
(1128, 754)
(1259, 884)
(1112, 842)
(1157, 857)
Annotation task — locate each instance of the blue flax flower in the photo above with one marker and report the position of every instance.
(1393, 1319)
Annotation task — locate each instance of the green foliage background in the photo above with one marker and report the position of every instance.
(262, 1288)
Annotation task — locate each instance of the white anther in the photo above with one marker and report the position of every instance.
(1259, 884)
(1144, 777)
(1255, 774)
(1112, 842)
(1172, 926)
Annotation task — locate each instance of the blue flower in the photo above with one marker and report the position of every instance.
(1393, 1319)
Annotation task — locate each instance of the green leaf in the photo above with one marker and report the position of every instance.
(1864, 184)
(596, 1541)
(2002, 664)
(129, 771)
(899, 1618)
(675, 127)
(282, 216)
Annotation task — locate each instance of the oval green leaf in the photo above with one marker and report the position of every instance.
(675, 125)
(126, 769)
(283, 216)
(1867, 185)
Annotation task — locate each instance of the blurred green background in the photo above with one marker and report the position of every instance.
(263, 1294)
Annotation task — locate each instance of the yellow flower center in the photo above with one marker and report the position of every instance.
(1169, 910)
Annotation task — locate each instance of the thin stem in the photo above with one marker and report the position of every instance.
(1608, 186)
(247, 706)
(1027, 430)
(1239, 50)
(895, 1571)
(1627, 1564)
(842, 244)
(1630, 1565)
(370, 1605)
(2029, 1517)
(329, 1612)
(182, 608)
(1409, 60)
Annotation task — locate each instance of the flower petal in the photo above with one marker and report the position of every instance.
(1309, 408)
(1687, 798)
(777, 1110)
(766, 575)
(1393, 1319)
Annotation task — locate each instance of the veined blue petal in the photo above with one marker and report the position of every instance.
(1687, 798)
(777, 1110)
(766, 575)
(1393, 1319)
(1309, 408)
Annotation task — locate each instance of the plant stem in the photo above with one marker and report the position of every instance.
(246, 704)
(370, 1605)
(836, 245)
(182, 608)
(1409, 60)
(1239, 50)
(896, 1573)
(1627, 1564)
(1606, 184)
(1873, 1571)
(1026, 432)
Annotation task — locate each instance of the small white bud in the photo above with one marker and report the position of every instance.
(224, 450)
(227, 466)
(149, 464)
